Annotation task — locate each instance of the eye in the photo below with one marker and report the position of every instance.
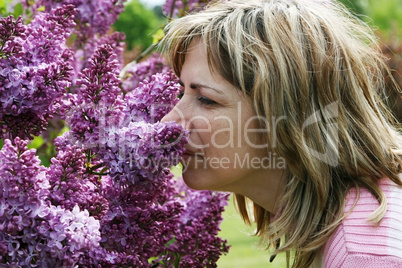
(206, 101)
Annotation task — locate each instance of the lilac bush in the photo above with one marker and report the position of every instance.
(93, 20)
(34, 70)
(34, 232)
(160, 89)
(196, 243)
(93, 17)
(108, 198)
(135, 73)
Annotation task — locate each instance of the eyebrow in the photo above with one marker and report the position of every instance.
(200, 85)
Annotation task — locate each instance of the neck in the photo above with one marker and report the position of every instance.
(264, 188)
(267, 193)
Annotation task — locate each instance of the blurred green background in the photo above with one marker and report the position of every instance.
(386, 15)
(245, 250)
(141, 19)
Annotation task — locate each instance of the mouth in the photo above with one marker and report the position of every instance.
(191, 159)
(191, 153)
(188, 154)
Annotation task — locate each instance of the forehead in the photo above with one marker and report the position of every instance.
(195, 60)
(196, 49)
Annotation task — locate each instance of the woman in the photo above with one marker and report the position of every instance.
(283, 100)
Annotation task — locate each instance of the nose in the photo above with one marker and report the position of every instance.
(176, 115)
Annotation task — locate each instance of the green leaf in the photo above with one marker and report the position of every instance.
(18, 10)
(36, 142)
(64, 129)
(41, 8)
(177, 170)
(45, 161)
(158, 36)
(171, 241)
(2, 7)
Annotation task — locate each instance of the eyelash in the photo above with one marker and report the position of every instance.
(206, 101)
(202, 99)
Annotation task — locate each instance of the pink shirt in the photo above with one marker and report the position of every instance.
(358, 243)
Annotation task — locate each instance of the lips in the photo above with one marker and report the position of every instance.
(191, 152)
(190, 158)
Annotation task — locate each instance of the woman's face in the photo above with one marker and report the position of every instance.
(224, 151)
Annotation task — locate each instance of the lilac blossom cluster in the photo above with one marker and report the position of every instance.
(34, 232)
(196, 242)
(70, 182)
(93, 17)
(135, 73)
(83, 53)
(179, 8)
(93, 21)
(161, 90)
(123, 129)
(141, 150)
(144, 205)
(136, 220)
(97, 97)
(141, 220)
(34, 70)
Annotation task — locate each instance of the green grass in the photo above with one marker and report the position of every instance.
(244, 251)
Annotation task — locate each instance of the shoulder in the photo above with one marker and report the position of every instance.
(359, 243)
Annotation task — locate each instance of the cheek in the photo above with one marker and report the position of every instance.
(224, 133)
(200, 132)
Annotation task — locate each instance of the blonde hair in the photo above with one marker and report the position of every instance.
(314, 64)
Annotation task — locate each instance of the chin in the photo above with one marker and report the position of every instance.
(191, 182)
(194, 181)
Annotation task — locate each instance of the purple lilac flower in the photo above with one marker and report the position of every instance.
(141, 151)
(99, 81)
(99, 15)
(33, 231)
(34, 71)
(152, 99)
(179, 8)
(141, 220)
(69, 235)
(93, 17)
(196, 242)
(84, 53)
(71, 184)
(23, 186)
(135, 73)
(10, 29)
(98, 101)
